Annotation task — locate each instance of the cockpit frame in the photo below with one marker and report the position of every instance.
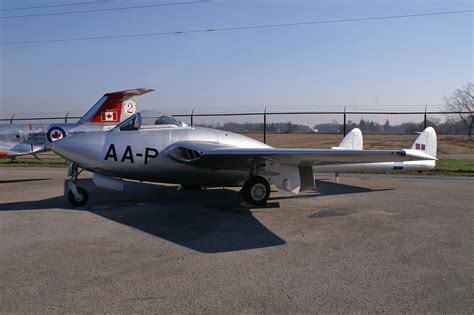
(147, 120)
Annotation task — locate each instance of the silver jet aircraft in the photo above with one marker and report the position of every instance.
(159, 148)
(24, 139)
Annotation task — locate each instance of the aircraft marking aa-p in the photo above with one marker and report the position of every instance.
(150, 153)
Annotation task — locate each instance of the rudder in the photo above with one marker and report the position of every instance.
(352, 141)
(426, 142)
(114, 107)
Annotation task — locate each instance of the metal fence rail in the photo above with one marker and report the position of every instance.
(341, 118)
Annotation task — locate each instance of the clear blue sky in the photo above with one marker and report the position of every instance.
(404, 61)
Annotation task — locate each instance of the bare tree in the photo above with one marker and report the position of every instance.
(461, 102)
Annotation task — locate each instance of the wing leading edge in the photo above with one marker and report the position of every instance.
(215, 155)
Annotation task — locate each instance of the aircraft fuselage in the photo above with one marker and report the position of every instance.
(137, 155)
(22, 139)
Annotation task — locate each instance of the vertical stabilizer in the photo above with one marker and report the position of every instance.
(426, 142)
(114, 107)
(352, 141)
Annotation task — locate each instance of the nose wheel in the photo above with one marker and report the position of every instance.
(256, 191)
(79, 199)
(77, 196)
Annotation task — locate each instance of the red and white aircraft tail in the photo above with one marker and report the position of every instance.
(114, 107)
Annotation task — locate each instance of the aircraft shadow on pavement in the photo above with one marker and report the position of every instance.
(328, 188)
(12, 181)
(209, 221)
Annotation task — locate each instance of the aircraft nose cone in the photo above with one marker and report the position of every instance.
(81, 149)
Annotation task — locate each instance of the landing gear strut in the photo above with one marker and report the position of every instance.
(256, 191)
(77, 196)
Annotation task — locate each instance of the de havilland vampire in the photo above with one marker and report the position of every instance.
(112, 108)
(156, 147)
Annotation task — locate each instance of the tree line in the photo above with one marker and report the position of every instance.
(461, 121)
(449, 126)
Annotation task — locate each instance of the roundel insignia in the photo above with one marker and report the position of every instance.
(55, 133)
(129, 107)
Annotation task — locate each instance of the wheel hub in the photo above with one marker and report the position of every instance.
(258, 192)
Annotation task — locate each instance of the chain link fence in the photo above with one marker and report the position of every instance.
(316, 128)
(265, 123)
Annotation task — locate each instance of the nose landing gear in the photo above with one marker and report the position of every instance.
(77, 196)
(256, 191)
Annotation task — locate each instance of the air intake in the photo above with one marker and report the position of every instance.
(185, 155)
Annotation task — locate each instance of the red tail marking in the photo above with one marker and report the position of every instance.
(113, 105)
(3, 153)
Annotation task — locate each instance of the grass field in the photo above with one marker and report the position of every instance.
(454, 167)
(26, 161)
(447, 144)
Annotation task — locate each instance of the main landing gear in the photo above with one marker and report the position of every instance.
(77, 196)
(256, 191)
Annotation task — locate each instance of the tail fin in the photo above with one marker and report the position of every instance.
(352, 141)
(114, 107)
(426, 142)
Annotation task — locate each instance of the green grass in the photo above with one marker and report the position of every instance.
(454, 167)
(32, 162)
(443, 167)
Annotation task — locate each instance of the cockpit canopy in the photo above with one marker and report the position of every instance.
(150, 120)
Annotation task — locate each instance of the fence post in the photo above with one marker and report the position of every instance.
(345, 117)
(192, 117)
(425, 120)
(11, 118)
(265, 125)
(65, 117)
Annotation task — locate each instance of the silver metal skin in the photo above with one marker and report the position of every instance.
(89, 152)
(24, 139)
(158, 148)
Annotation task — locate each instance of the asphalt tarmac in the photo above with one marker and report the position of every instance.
(372, 243)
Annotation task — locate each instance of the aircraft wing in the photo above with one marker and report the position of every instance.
(19, 150)
(220, 156)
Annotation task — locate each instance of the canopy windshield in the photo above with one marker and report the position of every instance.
(150, 120)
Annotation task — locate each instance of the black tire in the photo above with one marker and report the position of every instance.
(256, 191)
(190, 187)
(75, 202)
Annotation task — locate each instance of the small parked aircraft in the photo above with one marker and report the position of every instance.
(156, 147)
(24, 139)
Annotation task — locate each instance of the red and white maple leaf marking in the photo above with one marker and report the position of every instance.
(56, 135)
